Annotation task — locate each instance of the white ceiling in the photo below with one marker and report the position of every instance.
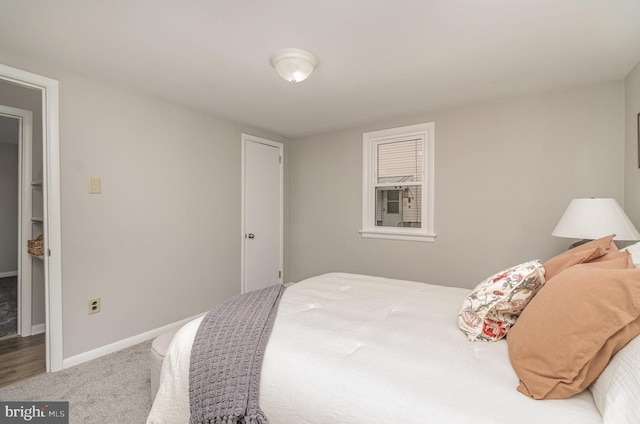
(378, 58)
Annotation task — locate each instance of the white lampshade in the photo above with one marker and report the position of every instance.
(294, 65)
(595, 218)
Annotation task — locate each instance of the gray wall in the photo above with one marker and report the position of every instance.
(8, 207)
(504, 173)
(162, 241)
(158, 246)
(632, 172)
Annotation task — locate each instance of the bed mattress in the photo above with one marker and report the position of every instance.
(351, 348)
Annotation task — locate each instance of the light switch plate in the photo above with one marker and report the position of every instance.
(94, 185)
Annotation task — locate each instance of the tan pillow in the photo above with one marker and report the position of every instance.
(614, 260)
(583, 253)
(566, 335)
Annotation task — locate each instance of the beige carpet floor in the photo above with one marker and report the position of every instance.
(113, 389)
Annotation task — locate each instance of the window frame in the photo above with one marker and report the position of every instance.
(370, 140)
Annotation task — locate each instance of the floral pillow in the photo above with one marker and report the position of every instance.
(495, 304)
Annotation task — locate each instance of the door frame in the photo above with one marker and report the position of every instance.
(25, 122)
(51, 199)
(246, 138)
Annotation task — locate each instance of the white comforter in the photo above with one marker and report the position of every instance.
(357, 349)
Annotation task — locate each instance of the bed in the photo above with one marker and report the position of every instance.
(349, 348)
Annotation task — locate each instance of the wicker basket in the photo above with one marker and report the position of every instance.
(35, 247)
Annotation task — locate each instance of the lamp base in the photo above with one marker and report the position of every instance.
(579, 243)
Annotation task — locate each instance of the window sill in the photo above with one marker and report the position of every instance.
(398, 235)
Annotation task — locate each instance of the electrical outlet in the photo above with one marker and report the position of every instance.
(94, 305)
(94, 186)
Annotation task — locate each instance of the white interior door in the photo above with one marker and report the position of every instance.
(262, 213)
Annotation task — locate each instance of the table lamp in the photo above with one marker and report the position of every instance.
(593, 218)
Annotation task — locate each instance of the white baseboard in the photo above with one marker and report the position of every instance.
(8, 274)
(38, 328)
(119, 345)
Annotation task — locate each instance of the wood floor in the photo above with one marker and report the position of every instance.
(21, 358)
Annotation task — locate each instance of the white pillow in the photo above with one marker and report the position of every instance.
(634, 249)
(615, 391)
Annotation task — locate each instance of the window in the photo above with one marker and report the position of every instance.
(397, 189)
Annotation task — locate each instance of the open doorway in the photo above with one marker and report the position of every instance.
(46, 92)
(22, 283)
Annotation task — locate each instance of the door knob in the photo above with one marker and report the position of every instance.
(251, 236)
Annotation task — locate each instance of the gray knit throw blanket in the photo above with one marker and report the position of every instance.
(226, 359)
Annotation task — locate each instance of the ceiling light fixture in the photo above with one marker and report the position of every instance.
(294, 65)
